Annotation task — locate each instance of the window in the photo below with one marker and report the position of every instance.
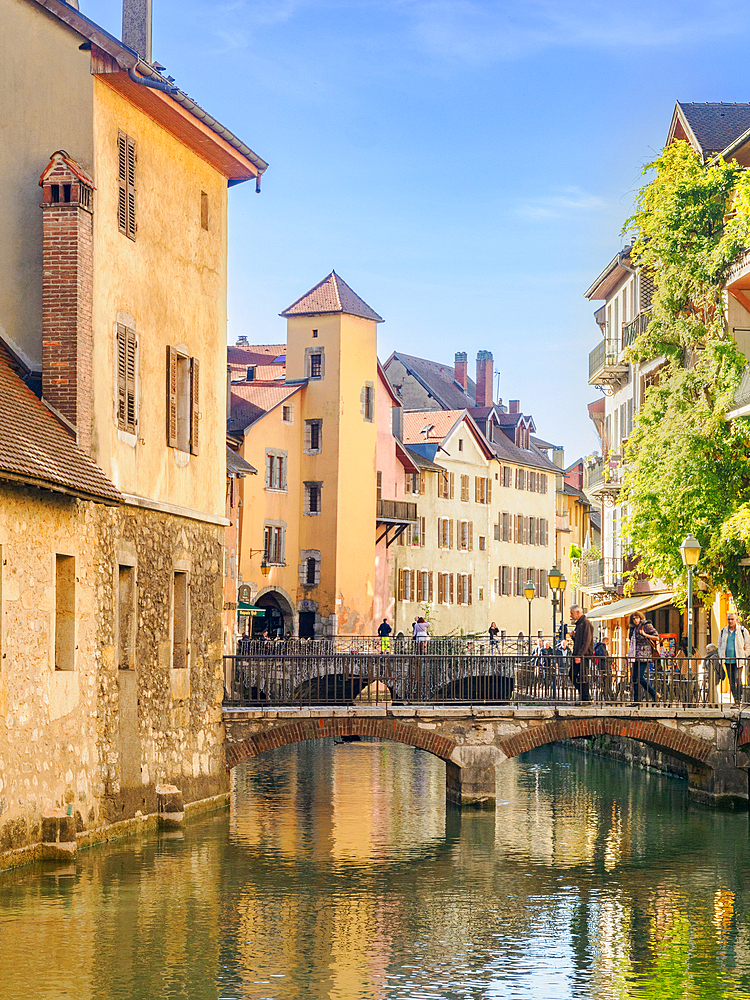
(481, 593)
(126, 376)
(482, 543)
(445, 485)
(421, 532)
(520, 479)
(126, 617)
(445, 533)
(463, 588)
(313, 436)
(204, 211)
(273, 544)
(250, 374)
(367, 398)
(310, 567)
(276, 470)
(460, 444)
(465, 531)
(315, 334)
(504, 580)
(544, 482)
(126, 185)
(532, 530)
(65, 613)
(287, 414)
(520, 576)
(312, 498)
(183, 389)
(180, 632)
(424, 587)
(314, 362)
(406, 585)
(379, 486)
(464, 488)
(507, 476)
(445, 588)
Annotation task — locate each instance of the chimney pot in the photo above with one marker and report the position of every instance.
(514, 405)
(485, 374)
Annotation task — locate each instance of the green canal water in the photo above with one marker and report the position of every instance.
(339, 874)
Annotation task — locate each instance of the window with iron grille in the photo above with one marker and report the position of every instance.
(287, 414)
(312, 498)
(313, 436)
(127, 370)
(126, 160)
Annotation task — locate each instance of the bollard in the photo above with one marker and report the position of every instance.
(169, 806)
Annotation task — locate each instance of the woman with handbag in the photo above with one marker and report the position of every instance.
(642, 641)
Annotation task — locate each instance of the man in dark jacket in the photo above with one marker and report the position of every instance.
(583, 651)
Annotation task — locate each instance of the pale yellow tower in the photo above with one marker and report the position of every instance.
(331, 345)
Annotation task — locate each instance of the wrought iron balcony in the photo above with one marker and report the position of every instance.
(606, 366)
(602, 574)
(602, 480)
(632, 330)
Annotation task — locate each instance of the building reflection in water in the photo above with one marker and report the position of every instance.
(340, 874)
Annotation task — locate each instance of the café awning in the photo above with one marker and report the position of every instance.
(626, 606)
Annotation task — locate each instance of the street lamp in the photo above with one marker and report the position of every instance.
(563, 584)
(690, 551)
(530, 593)
(554, 576)
(264, 567)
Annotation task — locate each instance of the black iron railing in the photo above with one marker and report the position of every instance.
(281, 679)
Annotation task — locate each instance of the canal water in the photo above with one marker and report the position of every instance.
(339, 874)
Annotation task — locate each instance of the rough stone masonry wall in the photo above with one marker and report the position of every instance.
(97, 740)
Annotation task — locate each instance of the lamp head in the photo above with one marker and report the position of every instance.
(265, 568)
(529, 591)
(554, 578)
(563, 583)
(690, 551)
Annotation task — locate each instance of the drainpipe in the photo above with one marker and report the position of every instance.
(146, 81)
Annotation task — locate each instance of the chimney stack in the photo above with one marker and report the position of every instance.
(485, 374)
(513, 405)
(136, 26)
(68, 292)
(459, 369)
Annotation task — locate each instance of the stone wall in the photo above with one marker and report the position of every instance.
(96, 740)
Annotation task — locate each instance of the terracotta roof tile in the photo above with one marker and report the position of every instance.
(331, 295)
(428, 426)
(35, 449)
(253, 400)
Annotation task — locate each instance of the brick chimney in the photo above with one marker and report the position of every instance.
(459, 369)
(136, 26)
(67, 292)
(513, 405)
(485, 374)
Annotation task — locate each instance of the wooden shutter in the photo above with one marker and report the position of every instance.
(452, 478)
(411, 584)
(171, 397)
(126, 372)
(450, 533)
(421, 482)
(429, 587)
(450, 587)
(471, 535)
(489, 490)
(131, 188)
(468, 588)
(440, 588)
(420, 587)
(459, 588)
(194, 404)
(126, 185)
(400, 585)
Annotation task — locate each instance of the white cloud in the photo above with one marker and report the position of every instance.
(567, 202)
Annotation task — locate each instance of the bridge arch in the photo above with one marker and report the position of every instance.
(666, 738)
(315, 729)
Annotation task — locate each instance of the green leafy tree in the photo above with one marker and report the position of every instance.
(687, 469)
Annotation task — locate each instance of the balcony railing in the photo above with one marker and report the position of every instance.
(605, 364)
(632, 330)
(604, 476)
(562, 521)
(602, 573)
(396, 511)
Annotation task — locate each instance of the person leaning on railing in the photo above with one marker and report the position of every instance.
(640, 653)
(734, 649)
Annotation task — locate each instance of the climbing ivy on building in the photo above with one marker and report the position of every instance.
(687, 469)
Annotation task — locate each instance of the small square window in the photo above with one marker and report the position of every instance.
(460, 444)
(315, 333)
(287, 414)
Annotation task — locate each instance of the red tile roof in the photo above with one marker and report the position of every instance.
(34, 448)
(253, 400)
(331, 295)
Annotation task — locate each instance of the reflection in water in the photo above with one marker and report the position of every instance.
(340, 875)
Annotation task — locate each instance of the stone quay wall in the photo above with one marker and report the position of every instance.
(94, 741)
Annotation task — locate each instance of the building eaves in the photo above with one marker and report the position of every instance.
(237, 466)
(36, 451)
(712, 127)
(611, 276)
(422, 462)
(127, 61)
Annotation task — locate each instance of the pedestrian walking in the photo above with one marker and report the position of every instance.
(640, 654)
(493, 630)
(734, 648)
(713, 673)
(421, 634)
(583, 651)
(384, 631)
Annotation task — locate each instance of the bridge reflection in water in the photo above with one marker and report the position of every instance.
(341, 874)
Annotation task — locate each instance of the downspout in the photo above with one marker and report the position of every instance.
(147, 81)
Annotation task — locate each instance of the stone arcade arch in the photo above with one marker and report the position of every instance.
(472, 742)
(281, 608)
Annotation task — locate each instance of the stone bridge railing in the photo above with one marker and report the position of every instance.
(474, 739)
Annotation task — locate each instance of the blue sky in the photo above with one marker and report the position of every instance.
(465, 165)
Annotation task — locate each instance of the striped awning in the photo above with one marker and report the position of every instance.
(618, 609)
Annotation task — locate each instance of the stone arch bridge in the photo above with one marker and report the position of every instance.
(474, 740)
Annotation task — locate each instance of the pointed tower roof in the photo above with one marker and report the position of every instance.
(331, 295)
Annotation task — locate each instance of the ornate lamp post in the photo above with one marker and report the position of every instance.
(561, 599)
(530, 593)
(690, 551)
(553, 578)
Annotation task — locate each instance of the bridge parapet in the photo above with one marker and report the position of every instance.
(473, 739)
